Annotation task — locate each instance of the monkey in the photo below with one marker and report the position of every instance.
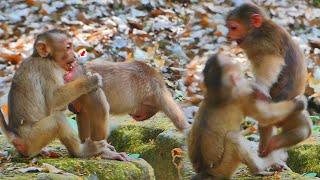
(215, 144)
(279, 68)
(39, 96)
(130, 87)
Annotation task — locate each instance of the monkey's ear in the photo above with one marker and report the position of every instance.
(256, 20)
(43, 49)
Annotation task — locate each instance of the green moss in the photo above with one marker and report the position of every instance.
(154, 140)
(103, 169)
(305, 159)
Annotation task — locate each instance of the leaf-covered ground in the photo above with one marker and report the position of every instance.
(175, 37)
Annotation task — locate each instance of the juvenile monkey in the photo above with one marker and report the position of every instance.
(133, 88)
(38, 97)
(215, 144)
(279, 68)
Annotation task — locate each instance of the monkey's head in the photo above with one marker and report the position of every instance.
(242, 20)
(223, 79)
(55, 45)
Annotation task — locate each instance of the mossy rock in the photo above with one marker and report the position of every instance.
(74, 168)
(104, 169)
(155, 140)
(305, 159)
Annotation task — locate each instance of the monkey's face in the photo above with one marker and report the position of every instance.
(237, 31)
(64, 54)
(232, 79)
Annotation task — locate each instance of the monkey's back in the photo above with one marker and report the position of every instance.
(292, 79)
(274, 40)
(209, 133)
(127, 78)
(27, 102)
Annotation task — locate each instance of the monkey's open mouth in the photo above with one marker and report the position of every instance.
(70, 65)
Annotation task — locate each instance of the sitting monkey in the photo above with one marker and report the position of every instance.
(215, 144)
(38, 97)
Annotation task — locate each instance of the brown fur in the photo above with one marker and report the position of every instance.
(38, 97)
(280, 70)
(133, 88)
(215, 144)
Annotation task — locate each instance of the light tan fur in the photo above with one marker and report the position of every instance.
(215, 144)
(38, 98)
(130, 86)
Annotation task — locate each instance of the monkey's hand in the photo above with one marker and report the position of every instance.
(95, 81)
(280, 156)
(301, 102)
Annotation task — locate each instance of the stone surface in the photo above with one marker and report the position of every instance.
(72, 168)
(155, 140)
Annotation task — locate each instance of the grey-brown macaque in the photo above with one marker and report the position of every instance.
(39, 96)
(215, 144)
(131, 88)
(280, 71)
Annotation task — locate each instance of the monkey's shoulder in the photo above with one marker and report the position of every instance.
(35, 72)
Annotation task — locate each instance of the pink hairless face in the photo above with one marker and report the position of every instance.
(72, 73)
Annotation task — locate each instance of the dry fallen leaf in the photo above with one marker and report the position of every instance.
(51, 169)
(13, 58)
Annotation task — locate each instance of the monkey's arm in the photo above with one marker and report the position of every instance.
(69, 92)
(267, 113)
(267, 71)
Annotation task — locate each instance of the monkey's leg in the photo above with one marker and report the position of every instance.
(237, 149)
(230, 160)
(99, 123)
(265, 134)
(36, 136)
(295, 129)
(70, 139)
(83, 122)
(172, 110)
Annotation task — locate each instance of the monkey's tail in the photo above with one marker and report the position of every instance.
(172, 110)
(5, 129)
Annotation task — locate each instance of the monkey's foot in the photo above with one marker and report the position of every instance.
(122, 156)
(264, 173)
(281, 167)
(109, 146)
